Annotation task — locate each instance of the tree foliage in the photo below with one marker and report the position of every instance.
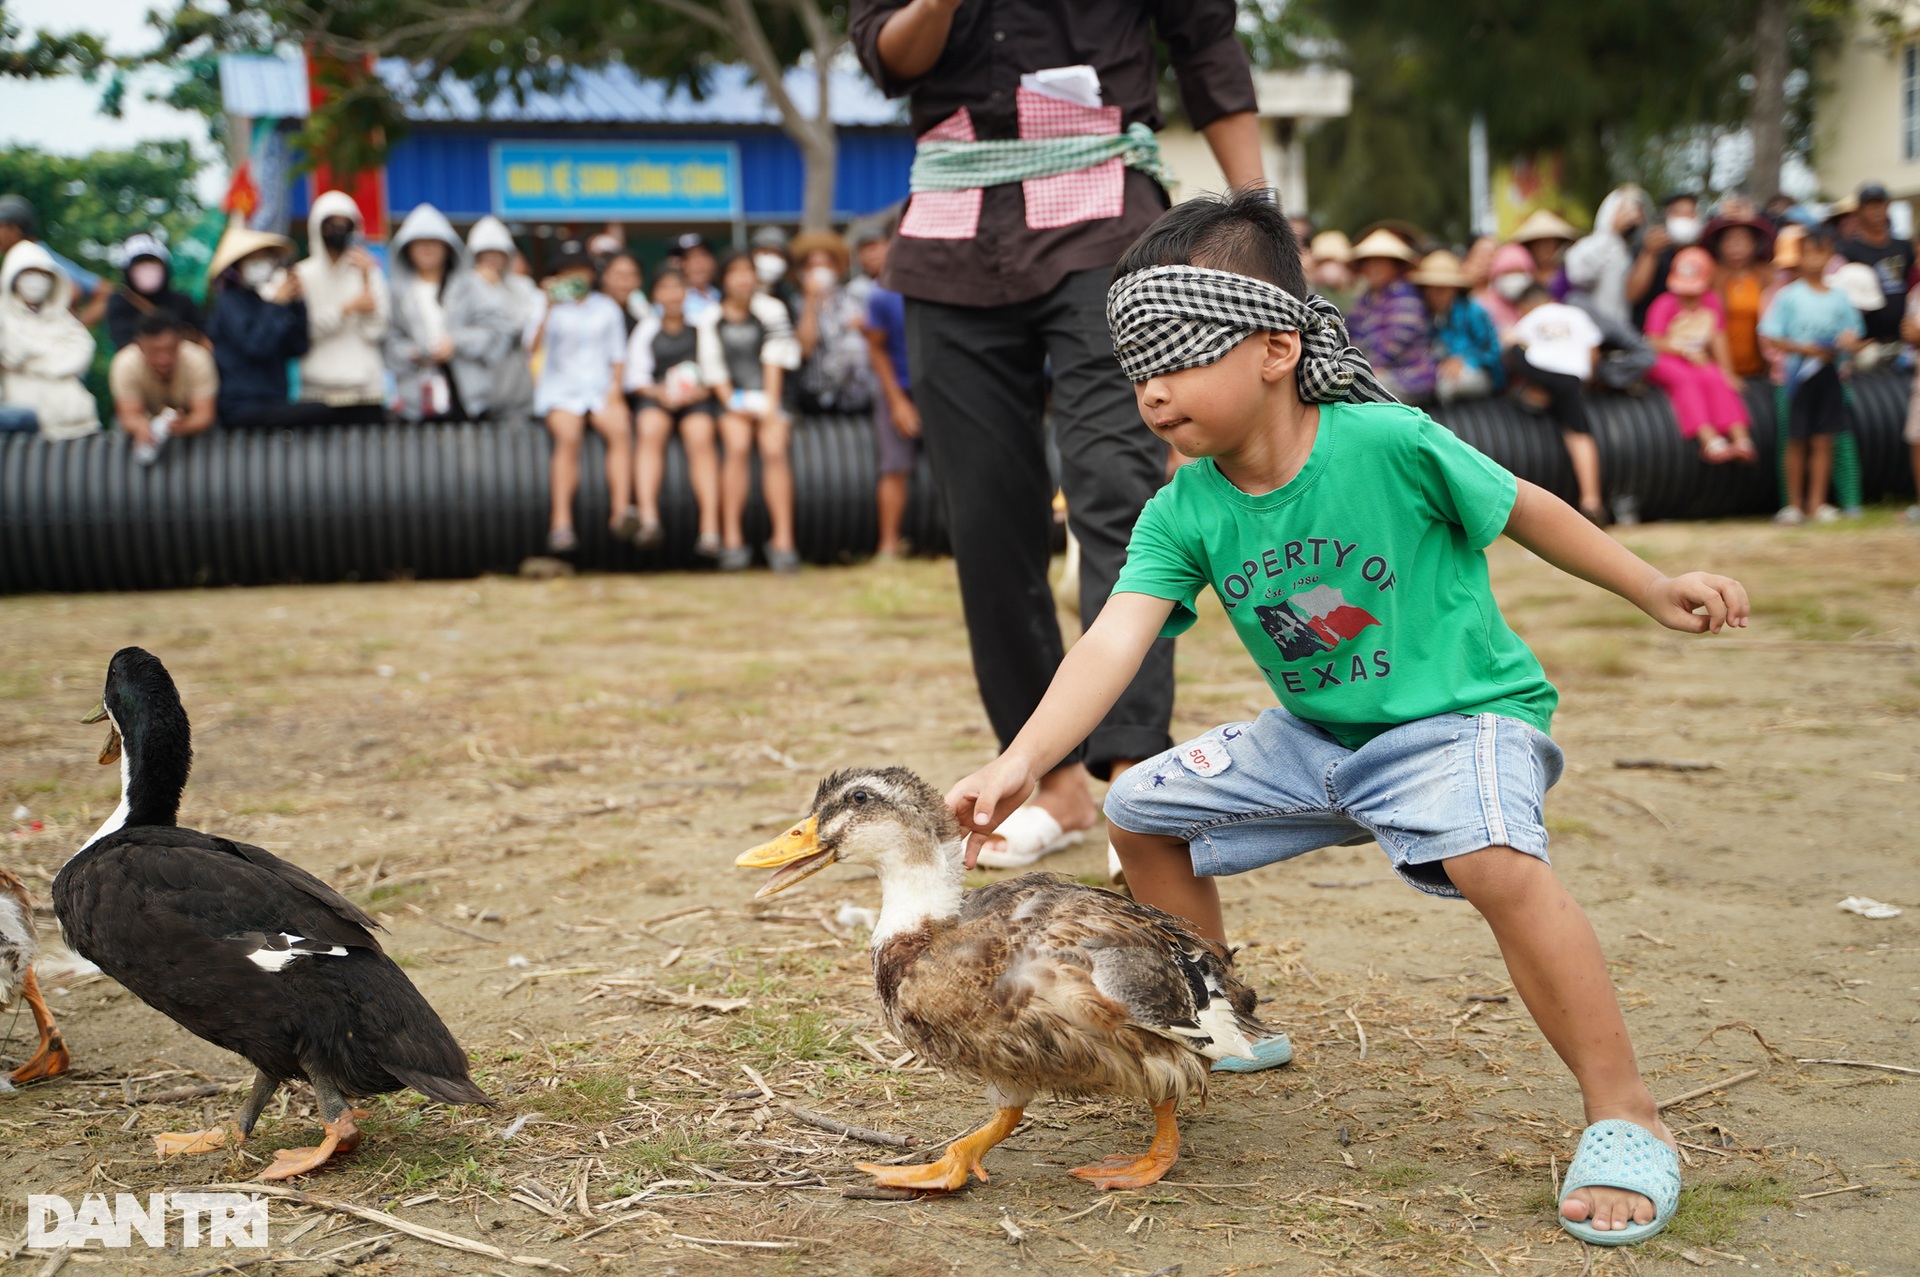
(90, 203)
(1609, 85)
(48, 54)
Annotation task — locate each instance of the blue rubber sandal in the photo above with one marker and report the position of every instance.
(1268, 1053)
(1619, 1154)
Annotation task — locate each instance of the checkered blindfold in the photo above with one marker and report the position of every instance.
(1167, 318)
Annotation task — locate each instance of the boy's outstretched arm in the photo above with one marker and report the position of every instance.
(1565, 538)
(1084, 688)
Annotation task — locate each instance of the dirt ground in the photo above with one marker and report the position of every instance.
(540, 786)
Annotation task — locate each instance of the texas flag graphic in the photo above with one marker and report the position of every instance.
(1313, 621)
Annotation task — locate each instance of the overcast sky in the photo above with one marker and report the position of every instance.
(64, 115)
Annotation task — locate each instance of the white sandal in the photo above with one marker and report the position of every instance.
(1025, 837)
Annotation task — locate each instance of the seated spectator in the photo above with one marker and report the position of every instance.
(1466, 350)
(620, 279)
(1477, 261)
(257, 321)
(773, 263)
(1679, 226)
(896, 421)
(1626, 355)
(1388, 321)
(583, 338)
(1553, 349)
(44, 349)
(1873, 243)
(746, 349)
(695, 262)
(1332, 275)
(450, 329)
(663, 372)
(1813, 326)
(1509, 274)
(1694, 367)
(836, 374)
(1547, 236)
(1741, 249)
(347, 311)
(491, 247)
(163, 385)
(20, 223)
(148, 290)
(1603, 259)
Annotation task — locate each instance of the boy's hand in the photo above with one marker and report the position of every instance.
(1671, 600)
(989, 796)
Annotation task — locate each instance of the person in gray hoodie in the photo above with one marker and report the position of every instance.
(449, 330)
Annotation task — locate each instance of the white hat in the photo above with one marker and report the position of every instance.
(1857, 283)
(490, 235)
(1384, 243)
(242, 241)
(1544, 223)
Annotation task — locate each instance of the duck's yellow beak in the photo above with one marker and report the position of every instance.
(110, 752)
(794, 855)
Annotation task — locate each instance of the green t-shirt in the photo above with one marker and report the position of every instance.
(1360, 588)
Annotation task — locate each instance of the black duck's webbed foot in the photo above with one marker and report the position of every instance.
(342, 1137)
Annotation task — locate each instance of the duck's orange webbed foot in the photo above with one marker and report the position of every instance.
(342, 1137)
(961, 1160)
(212, 1140)
(1123, 1171)
(51, 1059)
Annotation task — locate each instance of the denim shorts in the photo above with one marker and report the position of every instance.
(1250, 794)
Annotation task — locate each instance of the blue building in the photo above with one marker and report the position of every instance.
(611, 147)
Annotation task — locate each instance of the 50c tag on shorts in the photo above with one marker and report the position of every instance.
(1205, 757)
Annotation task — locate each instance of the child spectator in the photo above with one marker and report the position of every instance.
(1741, 249)
(1412, 714)
(1694, 367)
(1388, 321)
(148, 290)
(347, 314)
(620, 279)
(1511, 275)
(450, 329)
(836, 375)
(44, 349)
(746, 349)
(257, 323)
(498, 285)
(1812, 326)
(896, 421)
(696, 264)
(163, 385)
(663, 372)
(583, 339)
(1554, 349)
(1466, 350)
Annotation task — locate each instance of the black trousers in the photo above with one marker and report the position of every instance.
(1568, 402)
(979, 379)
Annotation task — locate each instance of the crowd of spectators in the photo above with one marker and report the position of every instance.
(1660, 296)
(725, 351)
(722, 351)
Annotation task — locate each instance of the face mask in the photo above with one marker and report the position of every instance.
(34, 287)
(770, 267)
(823, 277)
(570, 289)
(147, 277)
(1685, 230)
(1510, 286)
(336, 239)
(258, 272)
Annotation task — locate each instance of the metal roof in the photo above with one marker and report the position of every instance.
(262, 86)
(616, 95)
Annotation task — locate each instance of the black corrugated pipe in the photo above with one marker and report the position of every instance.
(373, 502)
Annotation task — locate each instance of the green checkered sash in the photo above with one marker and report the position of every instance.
(966, 166)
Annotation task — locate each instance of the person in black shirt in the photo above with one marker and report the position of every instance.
(147, 290)
(663, 372)
(1003, 280)
(1873, 244)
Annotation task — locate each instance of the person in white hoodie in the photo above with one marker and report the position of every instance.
(490, 246)
(449, 329)
(348, 310)
(44, 349)
(1604, 259)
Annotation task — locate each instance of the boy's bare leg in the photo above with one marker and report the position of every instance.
(1820, 470)
(1797, 475)
(1556, 964)
(1160, 873)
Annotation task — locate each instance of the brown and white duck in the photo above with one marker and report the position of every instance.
(19, 949)
(1035, 984)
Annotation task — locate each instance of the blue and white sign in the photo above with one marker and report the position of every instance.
(620, 181)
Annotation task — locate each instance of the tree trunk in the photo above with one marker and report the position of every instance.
(1767, 121)
(820, 148)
